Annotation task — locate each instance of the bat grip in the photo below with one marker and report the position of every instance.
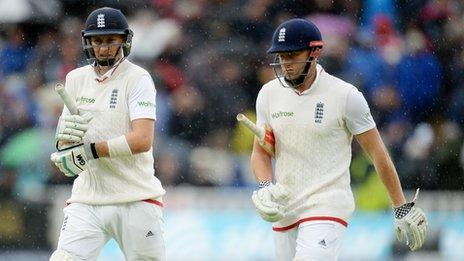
(250, 125)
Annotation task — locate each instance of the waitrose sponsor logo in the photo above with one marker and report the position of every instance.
(146, 104)
(83, 99)
(279, 114)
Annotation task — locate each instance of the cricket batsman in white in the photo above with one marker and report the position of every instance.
(107, 146)
(310, 118)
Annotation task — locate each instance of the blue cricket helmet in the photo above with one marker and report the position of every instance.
(295, 35)
(106, 21)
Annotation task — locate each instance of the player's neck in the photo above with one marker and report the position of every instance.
(308, 81)
(101, 70)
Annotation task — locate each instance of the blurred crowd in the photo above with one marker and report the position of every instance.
(208, 59)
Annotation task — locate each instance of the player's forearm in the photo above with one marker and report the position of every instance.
(372, 143)
(261, 163)
(102, 149)
(387, 172)
(137, 144)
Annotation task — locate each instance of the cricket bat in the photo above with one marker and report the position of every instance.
(251, 126)
(68, 101)
(265, 138)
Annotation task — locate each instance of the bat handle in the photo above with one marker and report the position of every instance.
(68, 102)
(250, 125)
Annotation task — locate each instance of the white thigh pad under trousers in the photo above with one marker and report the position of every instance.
(136, 227)
(310, 241)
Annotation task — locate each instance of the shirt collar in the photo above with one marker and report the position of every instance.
(319, 70)
(108, 74)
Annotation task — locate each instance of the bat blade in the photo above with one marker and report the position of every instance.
(68, 102)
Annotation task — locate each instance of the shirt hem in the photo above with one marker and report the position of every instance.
(315, 218)
(151, 201)
(154, 201)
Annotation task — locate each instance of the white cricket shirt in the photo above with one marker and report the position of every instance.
(313, 132)
(124, 94)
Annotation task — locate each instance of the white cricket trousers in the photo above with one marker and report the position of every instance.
(136, 227)
(310, 241)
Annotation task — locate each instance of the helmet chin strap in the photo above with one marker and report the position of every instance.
(300, 80)
(109, 62)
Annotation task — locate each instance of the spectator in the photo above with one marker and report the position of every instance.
(419, 90)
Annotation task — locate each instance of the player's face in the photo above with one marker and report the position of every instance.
(293, 63)
(106, 46)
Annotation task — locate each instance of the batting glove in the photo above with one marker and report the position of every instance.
(72, 161)
(72, 128)
(410, 224)
(269, 201)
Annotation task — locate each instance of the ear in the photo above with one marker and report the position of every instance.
(315, 48)
(316, 52)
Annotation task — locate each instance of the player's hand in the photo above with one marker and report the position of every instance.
(411, 224)
(269, 201)
(72, 161)
(72, 128)
(268, 143)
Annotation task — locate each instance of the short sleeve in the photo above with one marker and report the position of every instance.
(262, 108)
(358, 116)
(68, 87)
(142, 99)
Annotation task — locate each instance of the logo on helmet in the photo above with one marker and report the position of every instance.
(282, 35)
(101, 20)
